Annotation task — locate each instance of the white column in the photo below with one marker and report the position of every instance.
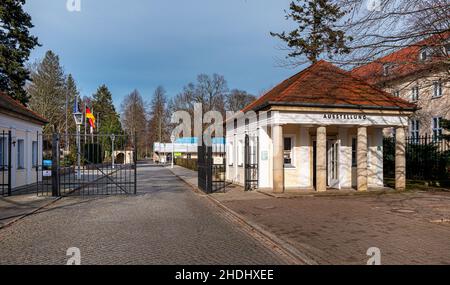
(361, 154)
(321, 159)
(400, 159)
(278, 159)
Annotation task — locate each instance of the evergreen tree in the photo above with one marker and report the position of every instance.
(47, 92)
(107, 118)
(71, 93)
(316, 33)
(16, 44)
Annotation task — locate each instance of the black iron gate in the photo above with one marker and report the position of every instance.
(5, 163)
(211, 168)
(251, 162)
(96, 164)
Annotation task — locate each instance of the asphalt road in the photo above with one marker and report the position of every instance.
(166, 223)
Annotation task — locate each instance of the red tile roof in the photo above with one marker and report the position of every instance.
(325, 85)
(405, 62)
(12, 106)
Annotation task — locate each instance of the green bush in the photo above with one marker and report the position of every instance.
(187, 163)
(93, 153)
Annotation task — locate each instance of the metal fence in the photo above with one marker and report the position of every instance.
(97, 164)
(427, 158)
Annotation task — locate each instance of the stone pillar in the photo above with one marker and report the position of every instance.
(278, 159)
(400, 159)
(361, 154)
(321, 159)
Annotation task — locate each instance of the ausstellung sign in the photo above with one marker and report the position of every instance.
(345, 116)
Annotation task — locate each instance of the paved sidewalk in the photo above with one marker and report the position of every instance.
(409, 228)
(16, 207)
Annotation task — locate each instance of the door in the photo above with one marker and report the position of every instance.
(333, 164)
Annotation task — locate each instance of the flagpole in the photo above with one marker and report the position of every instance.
(92, 128)
(85, 125)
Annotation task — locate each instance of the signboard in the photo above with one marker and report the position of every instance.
(218, 160)
(343, 119)
(360, 117)
(47, 173)
(264, 155)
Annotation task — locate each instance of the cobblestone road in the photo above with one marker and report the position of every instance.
(165, 224)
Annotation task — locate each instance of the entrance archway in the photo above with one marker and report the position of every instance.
(120, 158)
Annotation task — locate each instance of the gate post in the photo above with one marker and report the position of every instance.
(209, 170)
(55, 165)
(9, 162)
(135, 156)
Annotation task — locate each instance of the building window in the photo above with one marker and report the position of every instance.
(437, 89)
(415, 94)
(354, 161)
(396, 93)
(437, 130)
(34, 153)
(415, 130)
(3, 152)
(288, 152)
(20, 154)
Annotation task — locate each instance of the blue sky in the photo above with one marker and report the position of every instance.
(145, 43)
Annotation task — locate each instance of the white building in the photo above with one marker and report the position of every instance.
(320, 129)
(183, 148)
(25, 127)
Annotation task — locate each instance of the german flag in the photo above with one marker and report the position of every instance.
(91, 117)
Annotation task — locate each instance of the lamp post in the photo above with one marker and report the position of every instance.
(78, 117)
(113, 138)
(172, 139)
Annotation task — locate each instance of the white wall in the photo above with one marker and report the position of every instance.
(27, 131)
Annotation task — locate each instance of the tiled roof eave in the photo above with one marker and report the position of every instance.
(344, 106)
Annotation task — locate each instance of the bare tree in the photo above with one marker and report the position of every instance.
(158, 123)
(134, 118)
(389, 25)
(237, 100)
(210, 91)
(371, 29)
